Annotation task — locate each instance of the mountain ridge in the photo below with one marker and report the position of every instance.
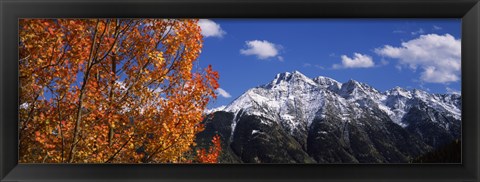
(351, 89)
(317, 111)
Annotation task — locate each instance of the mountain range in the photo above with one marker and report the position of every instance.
(297, 119)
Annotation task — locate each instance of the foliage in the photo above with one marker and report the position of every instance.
(111, 90)
(213, 152)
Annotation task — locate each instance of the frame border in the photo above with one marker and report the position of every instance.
(468, 10)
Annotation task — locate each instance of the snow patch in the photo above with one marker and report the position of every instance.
(220, 108)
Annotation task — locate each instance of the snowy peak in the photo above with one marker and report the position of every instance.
(220, 108)
(329, 83)
(287, 76)
(290, 77)
(293, 99)
(420, 94)
(282, 77)
(399, 91)
(350, 87)
(354, 90)
(297, 78)
(353, 84)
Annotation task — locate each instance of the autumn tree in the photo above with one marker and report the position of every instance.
(210, 156)
(111, 90)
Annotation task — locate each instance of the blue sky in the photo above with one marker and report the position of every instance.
(384, 53)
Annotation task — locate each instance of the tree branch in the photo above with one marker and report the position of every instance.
(81, 96)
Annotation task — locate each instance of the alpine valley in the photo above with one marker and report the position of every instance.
(296, 119)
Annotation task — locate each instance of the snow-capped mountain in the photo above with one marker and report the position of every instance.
(323, 120)
(220, 108)
(308, 96)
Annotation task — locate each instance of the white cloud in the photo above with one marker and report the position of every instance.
(308, 65)
(223, 93)
(432, 74)
(420, 31)
(358, 61)
(280, 58)
(262, 49)
(438, 56)
(398, 67)
(210, 28)
(319, 67)
(436, 27)
(383, 62)
(452, 91)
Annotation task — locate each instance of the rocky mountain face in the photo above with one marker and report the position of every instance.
(296, 119)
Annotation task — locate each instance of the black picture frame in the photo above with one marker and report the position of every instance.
(467, 10)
